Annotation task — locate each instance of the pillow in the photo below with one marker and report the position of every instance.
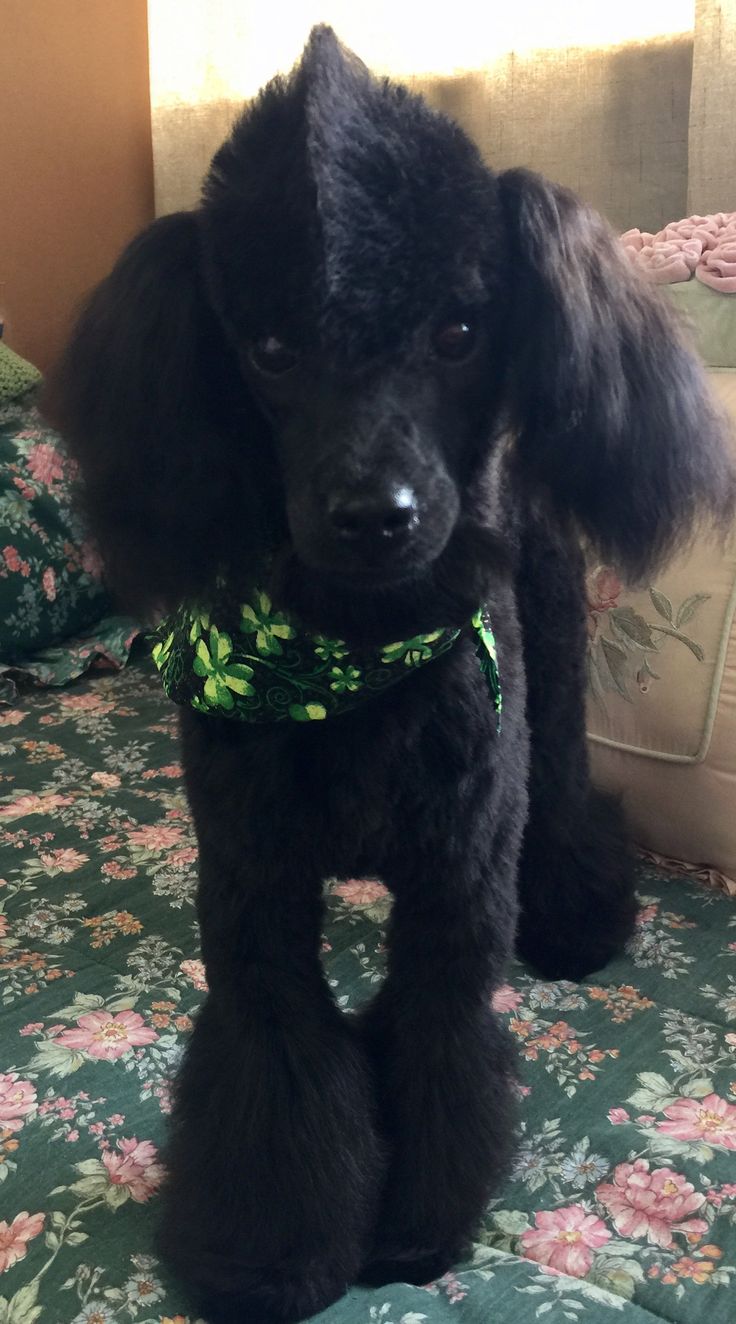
(711, 317)
(54, 608)
(50, 573)
(662, 695)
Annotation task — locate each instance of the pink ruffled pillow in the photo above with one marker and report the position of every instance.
(704, 246)
(717, 267)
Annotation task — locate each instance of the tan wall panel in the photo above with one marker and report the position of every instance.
(75, 157)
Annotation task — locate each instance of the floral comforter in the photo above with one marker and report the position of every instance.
(622, 1205)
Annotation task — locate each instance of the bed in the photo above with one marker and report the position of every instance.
(622, 1205)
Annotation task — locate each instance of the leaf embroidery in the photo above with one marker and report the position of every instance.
(622, 641)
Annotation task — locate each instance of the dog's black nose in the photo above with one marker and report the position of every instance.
(383, 514)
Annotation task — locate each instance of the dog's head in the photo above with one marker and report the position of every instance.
(323, 363)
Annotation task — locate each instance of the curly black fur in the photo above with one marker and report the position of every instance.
(349, 223)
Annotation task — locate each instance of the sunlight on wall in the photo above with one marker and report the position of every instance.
(215, 50)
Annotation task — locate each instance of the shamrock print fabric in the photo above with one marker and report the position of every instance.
(622, 1202)
(259, 666)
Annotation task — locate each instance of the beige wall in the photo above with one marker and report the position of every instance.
(76, 178)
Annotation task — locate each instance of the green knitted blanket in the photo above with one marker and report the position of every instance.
(16, 375)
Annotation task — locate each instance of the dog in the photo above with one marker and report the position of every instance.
(370, 391)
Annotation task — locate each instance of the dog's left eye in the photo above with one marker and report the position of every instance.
(272, 356)
(454, 341)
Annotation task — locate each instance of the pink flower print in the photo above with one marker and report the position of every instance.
(652, 1204)
(91, 560)
(194, 971)
(109, 781)
(17, 1100)
(32, 1027)
(45, 464)
(646, 914)
(12, 717)
(506, 998)
(170, 770)
(33, 804)
(618, 1116)
(187, 855)
(712, 1119)
(11, 557)
(603, 588)
(102, 1035)
(565, 1239)
(113, 869)
(163, 1094)
(26, 492)
(65, 859)
(135, 1166)
(85, 703)
(361, 891)
(48, 581)
(156, 836)
(14, 1237)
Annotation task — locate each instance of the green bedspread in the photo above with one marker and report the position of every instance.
(622, 1206)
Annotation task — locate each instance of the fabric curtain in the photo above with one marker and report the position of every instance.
(712, 137)
(633, 106)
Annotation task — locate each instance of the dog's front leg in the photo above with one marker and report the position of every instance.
(576, 875)
(274, 1164)
(443, 1061)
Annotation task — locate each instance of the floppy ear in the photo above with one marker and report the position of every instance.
(614, 419)
(150, 401)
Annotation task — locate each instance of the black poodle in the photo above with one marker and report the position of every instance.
(345, 422)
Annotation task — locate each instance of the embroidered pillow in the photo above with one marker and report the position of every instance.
(51, 585)
(662, 696)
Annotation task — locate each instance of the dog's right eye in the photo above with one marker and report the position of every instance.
(271, 356)
(455, 341)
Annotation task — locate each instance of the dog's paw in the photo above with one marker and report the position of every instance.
(578, 948)
(274, 1299)
(285, 1300)
(269, 1214)
(416, 1265)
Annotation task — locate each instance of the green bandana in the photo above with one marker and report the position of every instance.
(259, 667)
